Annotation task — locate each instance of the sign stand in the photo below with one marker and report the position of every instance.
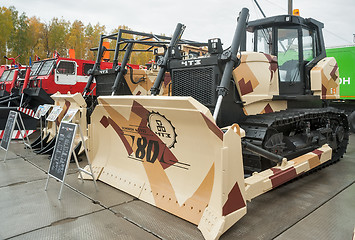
(9, 128)
(28, 144)
(61, 155)
(88, 158)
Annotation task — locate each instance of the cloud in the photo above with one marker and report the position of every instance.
(204, 18)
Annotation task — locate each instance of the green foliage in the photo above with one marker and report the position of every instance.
(92, 38)
(36, 37)
(19, 44)
(136, 57)
(76, 38)
(27, 37)
(6, 28)
(57, 35)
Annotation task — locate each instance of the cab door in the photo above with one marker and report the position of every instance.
(66, 72)
(290, 61)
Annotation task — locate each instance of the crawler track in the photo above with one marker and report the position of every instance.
(291, 133)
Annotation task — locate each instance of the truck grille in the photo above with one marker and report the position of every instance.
(199, 83)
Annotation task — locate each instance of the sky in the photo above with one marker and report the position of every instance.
(204, 19)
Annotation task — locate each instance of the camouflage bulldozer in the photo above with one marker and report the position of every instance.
(235, 125)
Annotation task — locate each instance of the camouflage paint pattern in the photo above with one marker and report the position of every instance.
(325, 79)
(257, 82)
(187, 49)
(274, 177)
(148, 77)
(66, 102)
(152, 155)
(267, 106)
(146, 146)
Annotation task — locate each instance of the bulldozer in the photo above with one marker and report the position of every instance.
(127, 79)
(121, 78)
(235, 125)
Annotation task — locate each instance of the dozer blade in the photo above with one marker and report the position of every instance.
(37, 96)
(37, 142)
(168, 151)
(40, 143)
(69, 101)
(49, 134)
(47, 148)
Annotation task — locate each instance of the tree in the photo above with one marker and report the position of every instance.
(6, 27)
(92, 38)
(37, 37)
(76, 38)
(139, 58)
(57, 36)
(28, 37)
(18, 44)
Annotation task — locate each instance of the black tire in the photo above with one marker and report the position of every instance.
(351, 120)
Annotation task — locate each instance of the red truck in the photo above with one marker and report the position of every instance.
(29, 87)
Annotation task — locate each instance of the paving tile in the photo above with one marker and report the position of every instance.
(26, 207)
(272, 213)
(99, 225)
(332, 221)
(10, 155)
(18, 171)
(105, 194)
(161, 223)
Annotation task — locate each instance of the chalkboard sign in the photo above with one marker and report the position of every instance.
(9, 128)
(62, 150)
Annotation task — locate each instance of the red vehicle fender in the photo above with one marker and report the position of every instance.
(27, 78)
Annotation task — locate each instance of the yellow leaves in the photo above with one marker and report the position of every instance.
(6, 27)
(28, 37)
(138, 58)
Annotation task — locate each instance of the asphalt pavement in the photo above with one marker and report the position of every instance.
(320, 205)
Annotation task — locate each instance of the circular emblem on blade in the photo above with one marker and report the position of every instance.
(163, 128)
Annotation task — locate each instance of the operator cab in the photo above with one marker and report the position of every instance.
(297, 43)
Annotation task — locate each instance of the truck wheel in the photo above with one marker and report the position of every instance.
(351, 119)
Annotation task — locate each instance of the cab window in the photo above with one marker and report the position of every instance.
(35, 68)
(264, 40)
(47, 67)
(288, 54)
(4, 75)
(308, 43)
(67, 68)
(11, 76)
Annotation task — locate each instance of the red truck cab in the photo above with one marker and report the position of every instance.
(10, 79)
(61, 74)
